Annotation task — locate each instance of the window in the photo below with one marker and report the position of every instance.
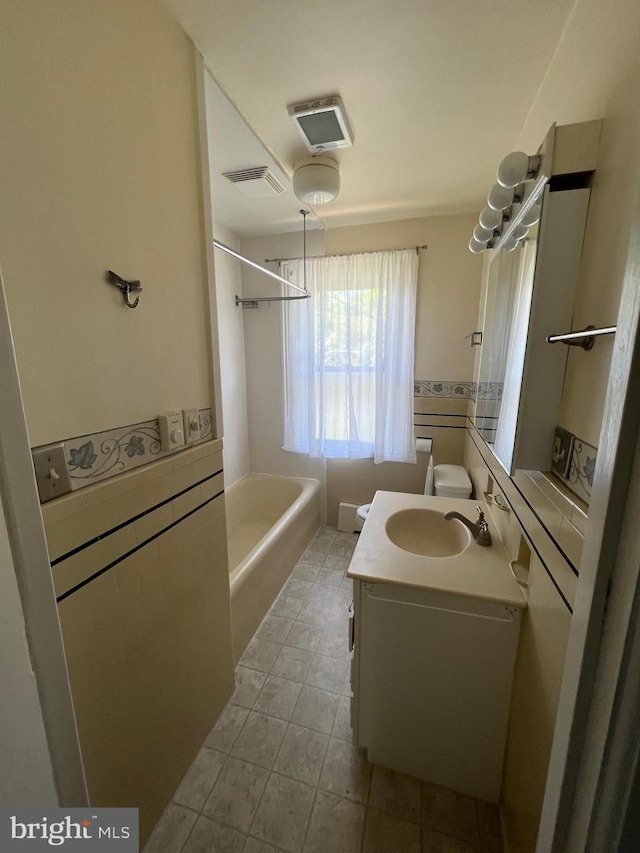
(348, 357)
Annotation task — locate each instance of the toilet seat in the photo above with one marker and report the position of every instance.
(363, 511)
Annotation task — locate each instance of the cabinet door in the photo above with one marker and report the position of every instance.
(434, 676)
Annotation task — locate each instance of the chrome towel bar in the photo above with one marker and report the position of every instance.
(584, 338)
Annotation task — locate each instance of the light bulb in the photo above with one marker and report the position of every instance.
(476, 247)
(490, 219)
(499, 197)
(518, 167)
(510, 245)
(531, 216)
(519, 232)
(481, 234)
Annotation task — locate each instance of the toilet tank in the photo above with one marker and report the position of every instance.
(451, 481)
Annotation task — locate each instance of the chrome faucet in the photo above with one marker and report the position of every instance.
(479, 530)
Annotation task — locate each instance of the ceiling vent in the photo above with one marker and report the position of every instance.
(256, 183)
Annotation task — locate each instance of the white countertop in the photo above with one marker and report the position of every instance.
(478, 572)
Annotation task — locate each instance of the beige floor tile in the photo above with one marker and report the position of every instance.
(287, 606)
(330, 577)
(325, 534)
(346, 771)
(248, 684)
(274, 628)
(260, 739)
(283, 813)
(297, 588)
(336, 826)
(304, 636)
(315, 709)
(384, 833)
(305, 572)
(200, 779)
(260, 655)
(313, 613)
(209, 835)
(327, 673)
(278, 697)
(336, 562)
(171, 831)
(342, 722)
(223, 735)
(292, 663)
(395, 793)
(237, 793)
(302, 754)
(449, 812)
(335, 643)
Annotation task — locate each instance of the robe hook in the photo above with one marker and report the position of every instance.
(126, 288)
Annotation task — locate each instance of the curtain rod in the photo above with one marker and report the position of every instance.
(343, 255)
(258, 267)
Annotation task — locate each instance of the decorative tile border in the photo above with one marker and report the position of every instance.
(443, 388)
(100, 455)
(465, 390)
(489, 390)
(579, 473)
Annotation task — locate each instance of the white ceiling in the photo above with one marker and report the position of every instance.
(436, 92)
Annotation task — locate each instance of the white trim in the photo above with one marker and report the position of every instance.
(35, 585)
(207, 224)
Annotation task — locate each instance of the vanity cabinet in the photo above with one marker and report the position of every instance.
(431, 676)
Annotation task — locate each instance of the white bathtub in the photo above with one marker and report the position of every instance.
(270, 522)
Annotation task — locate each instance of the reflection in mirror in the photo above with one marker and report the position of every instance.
(530, 289)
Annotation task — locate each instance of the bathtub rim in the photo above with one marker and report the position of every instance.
(310, 488)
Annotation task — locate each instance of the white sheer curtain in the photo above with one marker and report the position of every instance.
(504, 443)
(348, 357)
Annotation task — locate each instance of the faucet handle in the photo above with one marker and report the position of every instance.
(480, 514)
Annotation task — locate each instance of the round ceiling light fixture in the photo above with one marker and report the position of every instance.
(316, 180)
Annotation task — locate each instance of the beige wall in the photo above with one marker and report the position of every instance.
(99, 170)
(233, 376)
(595, 74)
(448, 285)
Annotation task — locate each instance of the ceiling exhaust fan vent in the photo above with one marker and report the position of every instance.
(259, 182)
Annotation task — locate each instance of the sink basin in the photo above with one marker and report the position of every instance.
(425, 532)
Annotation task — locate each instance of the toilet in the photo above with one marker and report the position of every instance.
(449, 481)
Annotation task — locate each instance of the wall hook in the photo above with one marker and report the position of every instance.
(126, 287)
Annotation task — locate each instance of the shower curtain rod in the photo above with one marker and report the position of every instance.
(302, 290)
(260, 268)
(343, 255)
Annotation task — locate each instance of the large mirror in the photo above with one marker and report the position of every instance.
(529, 295)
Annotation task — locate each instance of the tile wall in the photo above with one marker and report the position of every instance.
(542, 530)
(140, 572)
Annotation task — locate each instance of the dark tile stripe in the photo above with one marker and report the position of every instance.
(129, 521)
(522, 525)
(133, 550)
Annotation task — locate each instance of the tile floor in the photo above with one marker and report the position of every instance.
(278, 771)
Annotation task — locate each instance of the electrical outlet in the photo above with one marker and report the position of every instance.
(191, 421)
